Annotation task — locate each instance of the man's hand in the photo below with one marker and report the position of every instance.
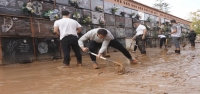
(99, 55)
(85, 49)
(143, 37)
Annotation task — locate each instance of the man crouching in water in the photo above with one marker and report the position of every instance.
(101, 38)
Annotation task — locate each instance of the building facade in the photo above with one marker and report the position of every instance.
(26, 25)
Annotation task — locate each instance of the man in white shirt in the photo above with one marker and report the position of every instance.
(101, 38)
(162, 40)
(176, 35)
(140, 37)
(68, 35)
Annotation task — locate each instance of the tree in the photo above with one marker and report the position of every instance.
(162, 6)
(194, 17)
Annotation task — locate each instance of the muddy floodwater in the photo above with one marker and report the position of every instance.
(155, 74)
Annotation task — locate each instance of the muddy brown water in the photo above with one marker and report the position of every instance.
(155, 74)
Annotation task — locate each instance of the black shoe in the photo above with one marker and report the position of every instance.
(177, 51)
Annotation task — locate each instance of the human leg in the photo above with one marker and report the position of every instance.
(161, 42)
(176, 43)
(192, 43)
(65, 43)
(93, 47)
(141, 45)
(136, 45)
(117, 45)
(76, 49)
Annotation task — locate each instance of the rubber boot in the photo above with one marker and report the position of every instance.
(178, 51)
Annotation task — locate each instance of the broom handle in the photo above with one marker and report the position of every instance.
(105, 58)
(97, 55)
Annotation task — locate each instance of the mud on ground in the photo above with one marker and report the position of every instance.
(155, 74)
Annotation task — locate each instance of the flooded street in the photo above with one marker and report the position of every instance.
(155, 74)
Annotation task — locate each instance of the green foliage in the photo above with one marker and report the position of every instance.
(74, 2)
(123, 13)
(132, 14)
(28, 7)
(114, 9)
(162, 6)
(76, 15)
(149, 19)
(86, 19)
(195, 19)
(52, 14)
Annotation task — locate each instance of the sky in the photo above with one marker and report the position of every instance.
(179, 8)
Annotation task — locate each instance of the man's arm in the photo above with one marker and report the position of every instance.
(174, 30)
(78, 28)
(134, 37)
(144, 33)
(104, 46)
(56, 30)
(84, 38)
(195, 36)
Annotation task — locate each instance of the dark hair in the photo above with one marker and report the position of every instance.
(173, 21)
(102, 32)
(65, 13)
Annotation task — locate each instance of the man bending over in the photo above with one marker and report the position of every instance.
(101, 38)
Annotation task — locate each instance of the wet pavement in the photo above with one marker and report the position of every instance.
(155, 74)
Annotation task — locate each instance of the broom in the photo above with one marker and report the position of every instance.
(118, 66)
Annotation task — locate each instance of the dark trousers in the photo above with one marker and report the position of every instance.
(94, 46)
(67, 43)
(192, 42)
(141, 44)
(136, 45)
(162, 41)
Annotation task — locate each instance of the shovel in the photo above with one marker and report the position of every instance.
(119, 67)
(130, 45)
